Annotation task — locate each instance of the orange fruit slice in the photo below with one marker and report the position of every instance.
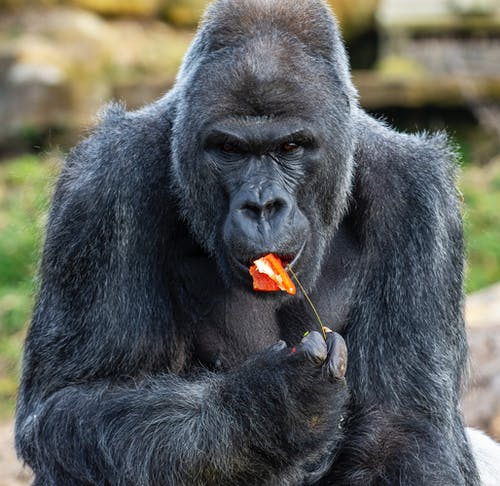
(269, 275)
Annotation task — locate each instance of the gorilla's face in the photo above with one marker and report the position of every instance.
(263, 163)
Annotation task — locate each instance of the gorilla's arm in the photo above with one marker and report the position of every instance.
(217, 429)
(101, 400)
(406, 333)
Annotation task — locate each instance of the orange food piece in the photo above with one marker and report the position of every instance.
(262, 282)
(269, 275)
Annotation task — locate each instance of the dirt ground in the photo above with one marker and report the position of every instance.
(481, 405)
(11, 471)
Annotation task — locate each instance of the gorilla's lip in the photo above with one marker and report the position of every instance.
(288, 259)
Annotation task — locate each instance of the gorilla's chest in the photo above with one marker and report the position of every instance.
(233, 325)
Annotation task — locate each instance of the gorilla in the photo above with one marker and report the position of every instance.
(151, 361)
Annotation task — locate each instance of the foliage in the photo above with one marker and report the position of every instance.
(24, 188)
(481, 190)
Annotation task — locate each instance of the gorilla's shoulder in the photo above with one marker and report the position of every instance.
(415, 170)
(405, 184)
(126, 138)
(122, 166)
(124, 148)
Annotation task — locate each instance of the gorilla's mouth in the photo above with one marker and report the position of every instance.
(288, 259)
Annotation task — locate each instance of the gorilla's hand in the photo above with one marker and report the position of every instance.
(330, 355)
(336, 364)
(292, 398)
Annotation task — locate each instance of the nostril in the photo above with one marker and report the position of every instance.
(251, 210)
(273, 207)
(268, 210)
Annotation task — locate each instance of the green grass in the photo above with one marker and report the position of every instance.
(25, 186)
(24, 193)
(481, 190)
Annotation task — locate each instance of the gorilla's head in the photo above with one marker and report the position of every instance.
(263, 137)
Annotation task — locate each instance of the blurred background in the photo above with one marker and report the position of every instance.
(426, 65)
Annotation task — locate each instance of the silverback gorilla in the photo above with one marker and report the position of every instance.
(150, 360)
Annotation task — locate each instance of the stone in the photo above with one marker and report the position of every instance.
(183, 13)
(481, 402)
(60, 65)
(354, 16)
(132, 8)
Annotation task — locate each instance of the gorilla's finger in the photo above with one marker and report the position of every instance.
(279, 346)
(313, 348)
(336, 364)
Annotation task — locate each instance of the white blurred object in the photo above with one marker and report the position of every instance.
(487, 454)
(474, 6)
(425, 13)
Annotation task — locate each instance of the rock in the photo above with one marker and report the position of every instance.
(481, 402)
(132, 8)
(30, 94)
(54, 56)
(482, 309)
(355, 16)
(13, 474)
(183, 13)
(405, 85)
(438, 15)
(60, 65)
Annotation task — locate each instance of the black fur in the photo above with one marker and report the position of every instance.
(151, 362)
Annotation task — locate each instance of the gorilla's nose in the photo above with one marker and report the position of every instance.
(272, 207)
(263, 210)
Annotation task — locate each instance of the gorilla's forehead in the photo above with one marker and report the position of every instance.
(308, 22)
(268, 76)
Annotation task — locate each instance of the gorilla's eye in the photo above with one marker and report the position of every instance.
(290, 147)
(229, 148)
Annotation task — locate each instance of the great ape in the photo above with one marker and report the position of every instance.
(150, 361)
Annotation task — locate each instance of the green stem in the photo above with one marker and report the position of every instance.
(289, 269)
